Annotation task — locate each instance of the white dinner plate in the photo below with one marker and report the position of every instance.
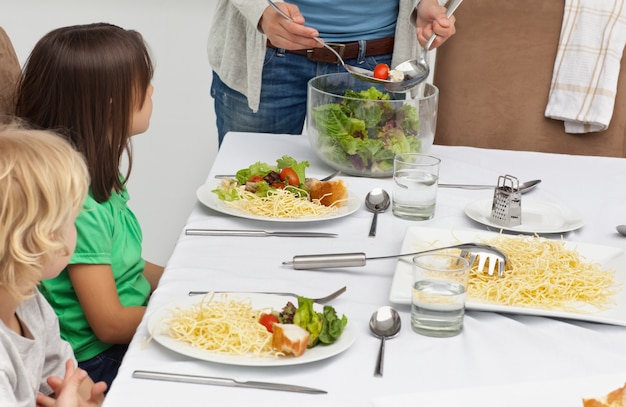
(209, 198)
(537, 217)
(548, 393)
(608, 257)
(156, 326)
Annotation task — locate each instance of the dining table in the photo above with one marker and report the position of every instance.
(499, 359)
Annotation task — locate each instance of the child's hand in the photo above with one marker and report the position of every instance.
(68, 390)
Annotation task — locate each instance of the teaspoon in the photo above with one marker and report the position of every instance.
(384, 323)
(377, 201)
(621, 229)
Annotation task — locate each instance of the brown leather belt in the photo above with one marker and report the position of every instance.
(347, 50)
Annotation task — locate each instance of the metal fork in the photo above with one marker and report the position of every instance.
(321, 300)
(326, 178)
(486, 255)
(330, 176)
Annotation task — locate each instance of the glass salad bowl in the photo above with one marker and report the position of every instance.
(357, 127)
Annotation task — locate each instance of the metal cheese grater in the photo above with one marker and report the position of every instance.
(506, 209)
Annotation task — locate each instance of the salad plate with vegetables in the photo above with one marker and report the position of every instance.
(329, 332)
(260, 178)
(278, 192)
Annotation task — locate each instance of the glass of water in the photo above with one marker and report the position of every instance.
(439, 291)
(415, 182)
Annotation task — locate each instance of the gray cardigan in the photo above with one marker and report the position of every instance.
(236, 46)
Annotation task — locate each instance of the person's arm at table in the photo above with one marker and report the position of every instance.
(153, 273)
(97, 293)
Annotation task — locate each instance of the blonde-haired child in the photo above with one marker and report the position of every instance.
(43, 184)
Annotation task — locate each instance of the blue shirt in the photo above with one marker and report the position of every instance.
(350, 20)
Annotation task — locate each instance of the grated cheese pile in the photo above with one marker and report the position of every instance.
(543, 273)
(227, 327)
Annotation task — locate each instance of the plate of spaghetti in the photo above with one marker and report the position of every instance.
(543, 277)
(223, 329)
(279, 206)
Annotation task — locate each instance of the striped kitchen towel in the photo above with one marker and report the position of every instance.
(587, 65)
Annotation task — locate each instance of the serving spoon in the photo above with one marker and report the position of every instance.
(376, 201)
(523, 187)
(417, 70)
(384, 323)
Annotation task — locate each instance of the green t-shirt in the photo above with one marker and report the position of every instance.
(107, 233)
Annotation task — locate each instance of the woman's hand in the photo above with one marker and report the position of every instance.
(431, 17)
(286, 34)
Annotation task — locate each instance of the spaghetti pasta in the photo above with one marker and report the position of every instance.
(279, 203)
(227, 326)
(543, 273)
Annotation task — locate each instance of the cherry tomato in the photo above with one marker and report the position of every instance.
(381, 71)
(255, 178)
(268, 321)
(278, 185)
(289, 175)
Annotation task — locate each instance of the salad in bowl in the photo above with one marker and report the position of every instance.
(358, 127)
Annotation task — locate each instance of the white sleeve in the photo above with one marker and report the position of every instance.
(57, 351)
(7, 393)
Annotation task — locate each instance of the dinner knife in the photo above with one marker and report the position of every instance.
(222, 381)
(252, 233)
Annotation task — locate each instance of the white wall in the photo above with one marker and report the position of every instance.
(174, 156)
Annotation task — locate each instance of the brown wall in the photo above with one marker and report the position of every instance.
(494, 76)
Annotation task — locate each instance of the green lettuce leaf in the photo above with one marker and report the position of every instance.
(323, 327)
(332, 325)
(363, 134)
(305, 317)
(258, 168)
(228, 195)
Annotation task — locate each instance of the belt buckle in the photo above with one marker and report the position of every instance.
(338, 47)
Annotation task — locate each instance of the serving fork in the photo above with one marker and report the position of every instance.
(488, 257)
(321, 300)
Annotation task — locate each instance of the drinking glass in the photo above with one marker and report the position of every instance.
(439, 291)
(415, 183)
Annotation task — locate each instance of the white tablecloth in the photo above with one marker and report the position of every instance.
(493, 349)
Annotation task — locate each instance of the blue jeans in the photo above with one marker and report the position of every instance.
(104, 367)
(283, 94)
